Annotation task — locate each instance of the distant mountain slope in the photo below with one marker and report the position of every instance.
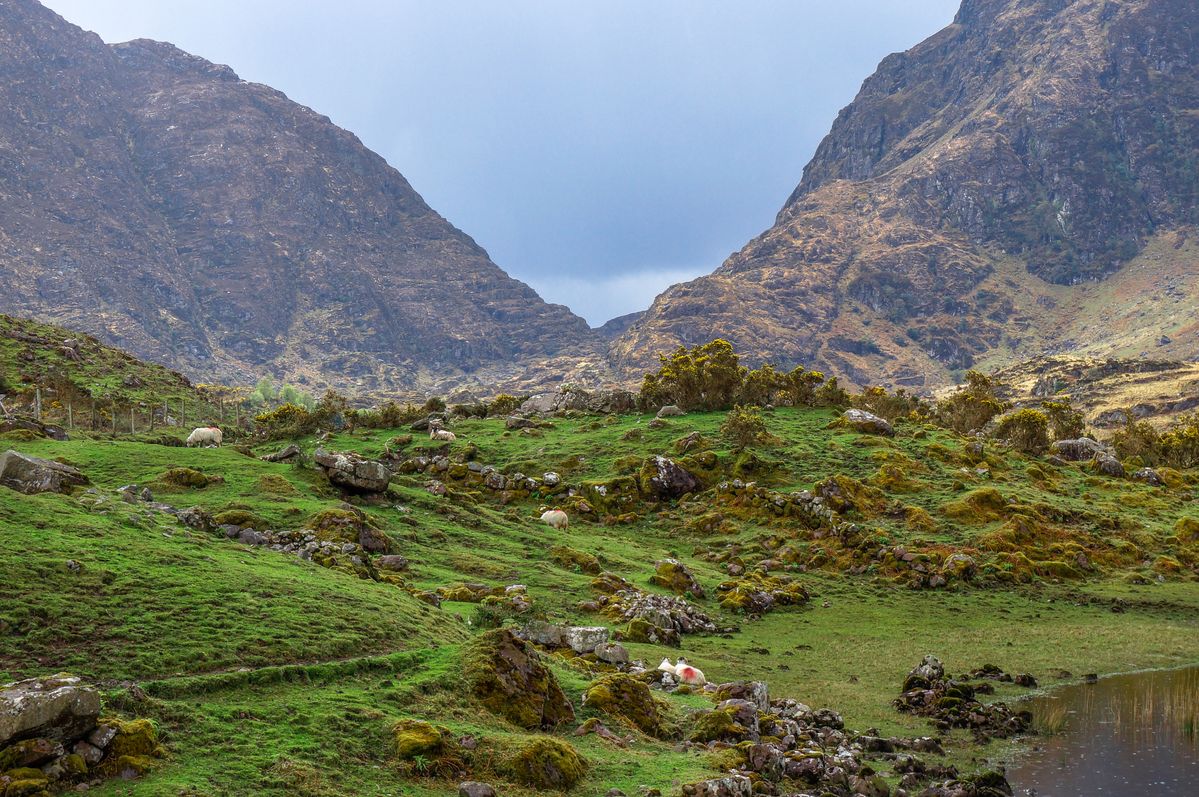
(157, 201)
(1031, 144)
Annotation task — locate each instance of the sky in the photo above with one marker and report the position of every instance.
(599, 151)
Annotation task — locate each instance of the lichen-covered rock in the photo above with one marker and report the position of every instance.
(547, 763)
(284, 454)
(1150, 477)
(663, 478)
(1108, 465)
(353, 472)
(508, 677)
(472, 788)
(1077, 450)
(58, 707)
(675, 576)
(630, 700)
(670, 411)
(189, 478)
(867, 423)
(30, 475)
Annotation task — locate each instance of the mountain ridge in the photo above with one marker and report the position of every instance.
(1053, 133)
(160, 202)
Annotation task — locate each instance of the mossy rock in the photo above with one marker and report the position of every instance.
(643, 631)
(547, 763)
(630, 700)
(133, 766)
(1187, 529)
(135, 739)
(349, 524)
(717, 725)
(416, 738)
(847, 495)
(757, 593)
(274, 486)
(569, 558)
(189, 478)
(508, 677)
(673, 575)
(894, 478)
(978, 506)
(241, 517)
(25, 782)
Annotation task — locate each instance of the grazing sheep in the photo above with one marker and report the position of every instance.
(437, 433)
(205, 435)
(688, 674)
(666, 666)
(554, 517)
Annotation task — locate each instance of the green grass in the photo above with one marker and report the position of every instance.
(270, 675)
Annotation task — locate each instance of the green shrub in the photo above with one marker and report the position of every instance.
(971, 407)
(504, 404)
(891, 406)
(744, 427)
(1026, 430)
(1065, 422)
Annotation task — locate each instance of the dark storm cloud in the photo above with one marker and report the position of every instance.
(599, 151)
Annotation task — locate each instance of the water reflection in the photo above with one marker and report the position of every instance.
(1125, 735)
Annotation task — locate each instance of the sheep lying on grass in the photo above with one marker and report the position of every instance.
(684, 672)
(437, 433)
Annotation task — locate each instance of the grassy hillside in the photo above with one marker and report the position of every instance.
(268, 674)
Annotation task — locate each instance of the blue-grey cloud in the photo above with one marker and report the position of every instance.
(574, 140)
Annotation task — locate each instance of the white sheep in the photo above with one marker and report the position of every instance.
(205, 435)
(554, 517)
(437, 433)
(666, 666)
(688, 674)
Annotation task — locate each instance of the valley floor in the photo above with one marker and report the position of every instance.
(267, 674)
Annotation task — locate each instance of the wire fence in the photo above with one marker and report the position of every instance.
(117, 416)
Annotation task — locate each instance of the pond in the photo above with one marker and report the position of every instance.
(1132, 734)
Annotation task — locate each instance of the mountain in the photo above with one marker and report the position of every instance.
(1026, 181)
(159, 202)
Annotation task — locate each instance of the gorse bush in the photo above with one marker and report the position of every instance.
(971, 407)
(891, 406)
(1065, 422)
(710, 377)
(504, 404)
(744, 427)
(1176, 447)
(1026, 430)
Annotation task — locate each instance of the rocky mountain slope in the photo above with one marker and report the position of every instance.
(1002, 190)
(157, 201)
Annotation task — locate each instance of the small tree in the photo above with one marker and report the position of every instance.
(830, 394)
(503, 404)
(801, 385)
(704, 377)
(891, 406)
(1025, 430)
(759, 386)
(1138, 439)
(744, 427)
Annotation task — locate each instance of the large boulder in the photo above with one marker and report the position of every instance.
(628, 699)
(30, 475)
(1108, 465)
(58, 707)
(508, 677)
(662, 477)
(675, 576)
(1078, 450)
(867, 423)
(670, 411)
(353, 472)
(17, 423)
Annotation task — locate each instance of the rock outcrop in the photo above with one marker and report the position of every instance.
(1031, 144)
(30, 475)
(353, 472)
(163, 204)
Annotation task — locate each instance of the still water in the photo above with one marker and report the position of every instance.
(1131, 735)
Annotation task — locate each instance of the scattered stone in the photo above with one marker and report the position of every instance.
(58, 707)
(670, 411)
(1108, 465)
(516, 422)
(664, 478)
(867, 423)
(612, 653)
(629, 700)
(392, 562)
(952, 704)
(284, 454)
(730, 786)
(1150, 477)
(473, 788)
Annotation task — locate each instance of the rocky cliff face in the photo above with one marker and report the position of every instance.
(159, 202)
(1029, 145)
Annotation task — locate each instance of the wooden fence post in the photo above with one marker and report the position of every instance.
(37, 399)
